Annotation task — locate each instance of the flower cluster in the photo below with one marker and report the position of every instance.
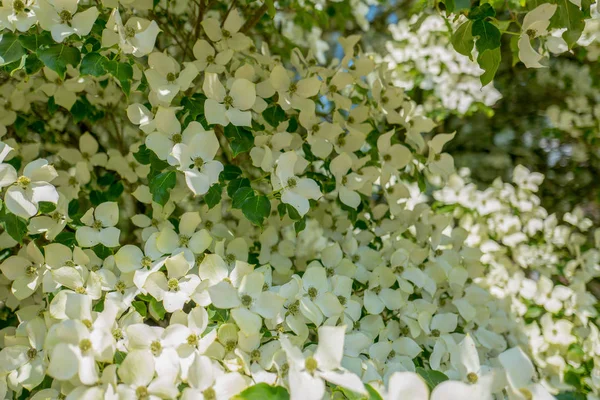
(188, 215)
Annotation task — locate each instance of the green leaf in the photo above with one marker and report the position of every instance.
(140, 307)
(93, 64)
(119, 356)
(482, 12)
(489, 61)
(15, 226)
(271, 8)
(34, 42)
(569, 16)
(46, 207)
(240, 139)
(373, 394)
(33, 64)
(293, 213)
(256, 209)
(533, 312)
(161, 184)
(460, 5)
(143, 155)
(570, 396)
(213, 196)
(300, 225)
(263, 391)
(241, 195)
(11, 49)
(462, 40)
(230, 172)
(66, 238)
(58, 56)
(274, 115)
(235, 184)
(122, 71)
(431, 377)
(157, 310)
(488, 36)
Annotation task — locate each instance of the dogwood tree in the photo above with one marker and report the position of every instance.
(240, 199)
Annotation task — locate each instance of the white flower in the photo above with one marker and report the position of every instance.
(207, 382)
(222, 107)
(248, 302)
(229, 35)
(294, 94)
(307, 373)
(31, 188)
(347, 183)
(535, 24)
(295, 191)
(136, 37)
(18, 14)
(519, 374)
(99, 226)
(175, 289)
(165, 78)
(196, 159)
(63, 20)
(206, 60)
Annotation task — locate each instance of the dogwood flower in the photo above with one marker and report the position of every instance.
(18, 14)
(224, 107)
(535, 24)
(295, 191)
(99, 226)
(196, 159)
(307, 372)
(33, 187)
(63, 20)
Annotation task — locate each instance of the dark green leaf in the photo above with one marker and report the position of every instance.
(10, 48)
(300, 225)
(34, 42)
(143, 155)
(66, 238)
(213, 196)
(483, 11)
(263, 391)
(431, 377)
(274, 115)
(235, 184)
(102, 251)
(488, 36)
(114, 191)
(15, 226)
(46, 207)
(241, 195)
(33, 64)
(230, 172)
(93, 64)
(569, 16)
(240, 139)
(160, 186)
(122, 71)
(58, 56)
(256, 209)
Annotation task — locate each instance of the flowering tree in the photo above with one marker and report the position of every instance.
(214, 200)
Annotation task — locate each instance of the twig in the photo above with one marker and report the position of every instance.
(255, 18)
